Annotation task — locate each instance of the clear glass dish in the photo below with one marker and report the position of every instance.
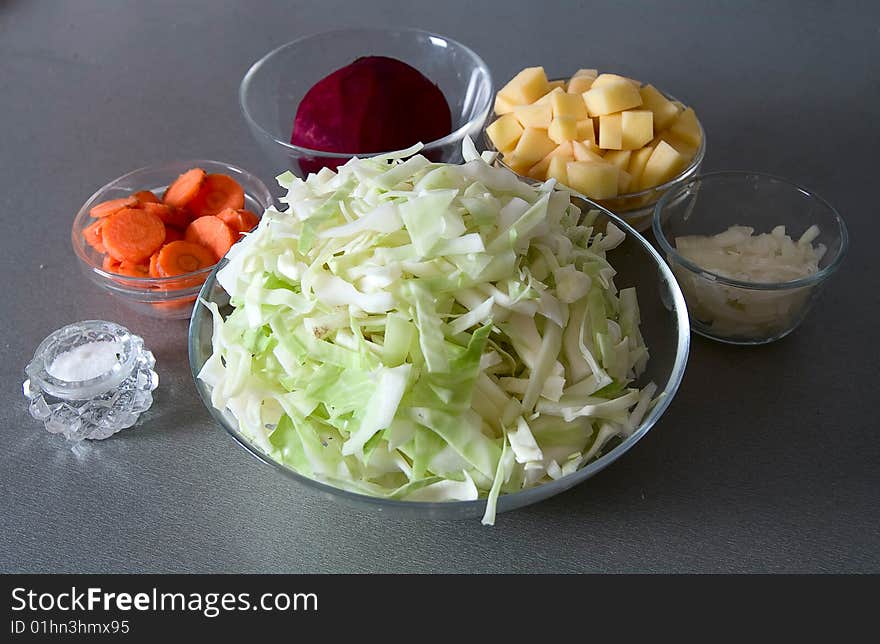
(735, 311)
(162, 297)
(664, 326)
(273, 87)
(636, 208)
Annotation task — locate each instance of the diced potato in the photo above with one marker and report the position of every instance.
(584, 152)
(664, 163)
(539, 170)
(624, 181)
(620, 158)
(591, 73)
(505, 132)
(585, 131)
(558, 169)
(593, 179)
(515, 163)
(611, 97)
(533, 145)
(557, 83)
(636, 165)
(579, 84)
(527, 86)
(503, 105)
(638, 128)
(664, 110)
(686, 127)
(569, 105)
(608, 79)
(611, 132)
(684, 147)
(536, 115)
(546, 98)
(563, 128)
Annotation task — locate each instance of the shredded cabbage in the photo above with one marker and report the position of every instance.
(427, 332)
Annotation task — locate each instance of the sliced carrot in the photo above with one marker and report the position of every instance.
(92, 235)
(240, 221)
(110, 265)
(170, 215)
(172, 234)
(145, 196)
(132, 235)
(181, 257)
(107, 208)
(185, 188)
(131, 269)
(217, 192)
(212, 233)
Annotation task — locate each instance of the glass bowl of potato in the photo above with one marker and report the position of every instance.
(613, 139)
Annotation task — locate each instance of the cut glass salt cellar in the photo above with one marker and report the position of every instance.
(99, 406)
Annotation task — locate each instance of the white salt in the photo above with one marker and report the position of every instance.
(86, 361)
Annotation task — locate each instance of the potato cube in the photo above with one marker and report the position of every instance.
(579, 84)
(637, 161)
(585, 131)
(533, 145)
(664, 163)
(503, 105)
(638, 128)
(592, 73)
(557, 83)
(569, 105)
(593, 179)
(548, 97)
(515, 163)
(686, 127)
(607, 79)
(611, 132)
(684, 147)
(664, 110)
(585, 152)
(611, 97)
(558, 169)
(620, 158)
(539, 170)
(563, 128)
(527, 86)
(537, 115)
(505, 132)
(624, 181)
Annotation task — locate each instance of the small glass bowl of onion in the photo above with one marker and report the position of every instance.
(750, 251)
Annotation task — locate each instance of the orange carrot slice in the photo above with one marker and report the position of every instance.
(132, 269)
(185, 188)
(154, 263)
(109, 264)
(172, 234)
(212, 233)
(217, 192)
(132, 235)
(107, 208)
(92, 235)
(181, 257)
(240, 221)
(170, 215)
(145, 196)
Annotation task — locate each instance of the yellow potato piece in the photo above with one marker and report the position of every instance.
(505, 132)
(637, 127)
(579, 84)
(503, 105)
(533, 145)
(664, 163)
(562, 128)
(584, 151)
(558, 170)
(557, 84)
(624, 181)
(663, 109)
(537, 115)
(539, 170)
(569, 105)
(611, 132)
(527, 86)
(636, 166)
(546, 98)
(608, 79)
(597, 180)
(686, 127)
(620, 158)
(585, 131)
(611, 97)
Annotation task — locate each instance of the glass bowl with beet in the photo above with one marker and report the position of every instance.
(322, 99)
(151, 237)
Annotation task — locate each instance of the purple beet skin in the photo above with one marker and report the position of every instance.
(376, 104)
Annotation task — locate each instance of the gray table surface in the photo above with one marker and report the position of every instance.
(767, 460)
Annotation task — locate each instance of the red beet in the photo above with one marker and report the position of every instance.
(376, 104)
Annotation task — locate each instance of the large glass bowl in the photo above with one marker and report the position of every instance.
(162, 297)
(274, 86)
(666, 333)
(732, 310)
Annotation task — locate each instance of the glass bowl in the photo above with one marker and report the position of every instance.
(636, 208)
(664, 326)
(731, 310)
(162, 297)
(274, 86)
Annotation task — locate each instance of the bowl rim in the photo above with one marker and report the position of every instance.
(505, 502)
(142, 285)
(684, 175)
(809, 280)
(457, 134)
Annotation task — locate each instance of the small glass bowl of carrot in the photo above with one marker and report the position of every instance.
(152, 236)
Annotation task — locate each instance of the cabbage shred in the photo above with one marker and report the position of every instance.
(427, 332)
